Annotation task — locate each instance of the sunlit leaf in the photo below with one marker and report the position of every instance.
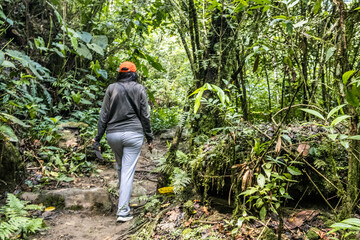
(355, 137)
(347, 75)
(6, 133)
(100, 40)
(339, 119)
(332, 136)
(96, 48)
(84, 51)
(313, 112)
(261, 180)
(329, 53)
(334, 110)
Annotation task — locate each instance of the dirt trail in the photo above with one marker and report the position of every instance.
(81, 225)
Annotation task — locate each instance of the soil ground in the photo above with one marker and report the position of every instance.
(82, 225)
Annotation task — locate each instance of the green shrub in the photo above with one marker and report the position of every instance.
(164, 118)
(15, 219)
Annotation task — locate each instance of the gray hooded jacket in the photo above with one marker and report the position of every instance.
(117, 114)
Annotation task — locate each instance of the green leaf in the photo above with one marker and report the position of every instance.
(343, 226)
(103, 73)
(6, 132)
(347, 75)
(358, 8)
(8, 64)
(2, 57)
(85, 101)
(294, 171)
(198, 100)
(334, 110)
(261, 180)
(313, 112)
(64, 178)
(96, 48)
(317, 6)
(339, 119)
(282, 191)
(259, 203)
(74, 43)
(85, 36)
(3, 16)
(13, 119)
(100, 40)
(287, 138)
(329, 53)
(351, 98)
(262, 213)
(355, 137)
(352, 221)
(76, 97)
(332, 136)
(84, 51)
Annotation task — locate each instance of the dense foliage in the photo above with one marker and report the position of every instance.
(267, 90)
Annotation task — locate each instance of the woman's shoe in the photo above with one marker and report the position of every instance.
(124, 218)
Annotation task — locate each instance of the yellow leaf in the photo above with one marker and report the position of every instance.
(49, 209)
(165, 205)
(166, 190)
(54, 174)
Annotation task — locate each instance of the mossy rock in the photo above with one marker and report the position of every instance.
(12, 168)
(312, 235)
(52, 200)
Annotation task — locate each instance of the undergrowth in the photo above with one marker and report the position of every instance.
(16, 220)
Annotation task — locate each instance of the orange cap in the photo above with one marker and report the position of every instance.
(127, 67)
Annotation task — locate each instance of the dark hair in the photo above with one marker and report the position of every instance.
(129, 76)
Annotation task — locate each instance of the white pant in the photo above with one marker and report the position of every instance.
(126, 147)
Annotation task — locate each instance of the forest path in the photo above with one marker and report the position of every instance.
(81, 225)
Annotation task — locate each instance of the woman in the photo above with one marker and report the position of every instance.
(125, 116)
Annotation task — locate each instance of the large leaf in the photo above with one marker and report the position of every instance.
(85, 36)
(329, 53)
(351, 98)
(95, 48)
(7, 133)
(334, 110)
(103, 73)
(346, 76)
(84, 51)
(313, 112)
(39, 71)
(339, 119)
(100, 40)
(352, 221)
(13, 119)
(262, 213)
(198, 99)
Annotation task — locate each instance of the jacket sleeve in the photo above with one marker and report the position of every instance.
(145, 116)
(104, 115)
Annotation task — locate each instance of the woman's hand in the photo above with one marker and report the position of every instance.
(151, 146)
(92, 141)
